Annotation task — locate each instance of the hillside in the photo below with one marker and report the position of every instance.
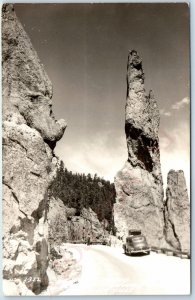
(80, 191)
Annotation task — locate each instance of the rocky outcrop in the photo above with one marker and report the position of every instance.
(139, 185)
(65, 268)
(177, 212)
(66, 226)
(30, 132)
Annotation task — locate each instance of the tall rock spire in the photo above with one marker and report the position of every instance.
(141, 117)
(139, 185)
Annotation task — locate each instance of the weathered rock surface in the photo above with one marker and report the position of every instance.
(65, 268)
(139, 185)
(66, 226)
(177, 212)
(30, 133)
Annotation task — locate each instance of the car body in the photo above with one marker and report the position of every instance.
(136, 243)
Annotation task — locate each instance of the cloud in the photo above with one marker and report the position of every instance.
(103, 154)
(165, 113)
(180, 104)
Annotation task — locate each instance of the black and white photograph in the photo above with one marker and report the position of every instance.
(96, 149)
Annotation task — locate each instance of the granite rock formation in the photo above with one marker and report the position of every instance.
(139, 186)
(66, 226)
(177, 212)
(30, 133)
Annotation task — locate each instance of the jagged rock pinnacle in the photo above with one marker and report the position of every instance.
(139, 185)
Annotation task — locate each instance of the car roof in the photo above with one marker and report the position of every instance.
(135, 236)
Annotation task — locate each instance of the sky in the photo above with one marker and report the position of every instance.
(84, 49)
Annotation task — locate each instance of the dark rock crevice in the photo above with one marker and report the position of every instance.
(13, 193)
(18, 143)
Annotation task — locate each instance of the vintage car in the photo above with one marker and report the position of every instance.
(136, 243)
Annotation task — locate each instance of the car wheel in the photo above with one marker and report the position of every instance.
(148, 252)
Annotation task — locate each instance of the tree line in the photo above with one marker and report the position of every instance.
(85, 191)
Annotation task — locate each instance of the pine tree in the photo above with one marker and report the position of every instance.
(79, 191)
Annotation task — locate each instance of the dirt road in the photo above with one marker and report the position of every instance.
(107, 271)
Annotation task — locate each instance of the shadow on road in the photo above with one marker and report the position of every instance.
(136, 254)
